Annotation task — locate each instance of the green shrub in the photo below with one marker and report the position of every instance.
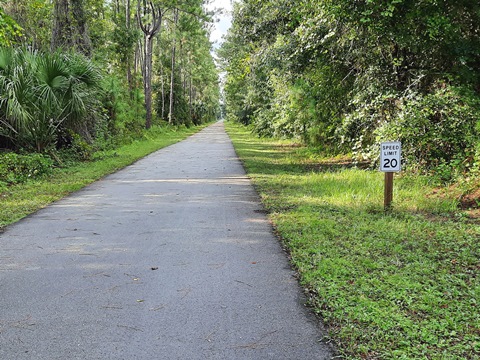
(125, 112)
(437, 130)
(16, 168)
(43, 93)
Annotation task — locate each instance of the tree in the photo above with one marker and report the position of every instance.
(35, 18)
(345, 74)
(172, 74)
(150, 20)
(194, 92)
(110, 34)
(150, 28)
(70, 28)
(125, 37)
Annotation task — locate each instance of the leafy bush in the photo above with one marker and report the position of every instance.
(9, 29)
(125, 111)
(16, 168)
(41, 94)
(437, 130)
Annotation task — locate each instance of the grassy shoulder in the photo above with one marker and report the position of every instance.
(18, 201)
(398, 285)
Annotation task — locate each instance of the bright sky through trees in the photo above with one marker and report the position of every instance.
(224, 20)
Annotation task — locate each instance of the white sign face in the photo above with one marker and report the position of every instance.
(390, 156)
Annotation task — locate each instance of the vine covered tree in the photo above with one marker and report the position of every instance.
(70, 26)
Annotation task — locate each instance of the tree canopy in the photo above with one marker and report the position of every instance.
(48, 49)
(349, 74)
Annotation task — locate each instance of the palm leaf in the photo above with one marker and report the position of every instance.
(52, 71)
(40, 93)
(82, 70)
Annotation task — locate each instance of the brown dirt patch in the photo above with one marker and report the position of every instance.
(470, 201)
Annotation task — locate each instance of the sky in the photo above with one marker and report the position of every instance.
(224, 20)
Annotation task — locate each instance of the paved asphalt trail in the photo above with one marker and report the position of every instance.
(170, 258)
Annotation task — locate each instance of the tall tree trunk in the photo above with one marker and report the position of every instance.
(129, 59)
(162, 89)
(81, 39)
(190, 101)
(70, 26)
(184, 83)
(172, 76)
(148, 79)
(149, 31)
(62, 26)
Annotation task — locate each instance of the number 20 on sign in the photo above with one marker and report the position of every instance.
(390, 156)
(390, 162)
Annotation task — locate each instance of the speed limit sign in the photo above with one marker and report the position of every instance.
(390, 156)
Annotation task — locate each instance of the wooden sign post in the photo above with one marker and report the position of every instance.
(390, 162)
(388, 198)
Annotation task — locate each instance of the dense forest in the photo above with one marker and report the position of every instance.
(340, 75)
(347, 75)
(77, 75)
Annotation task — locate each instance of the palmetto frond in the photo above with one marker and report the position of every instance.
(39, 93)
(84, 81)
(52, 77)
(15, 95)
(82, 71)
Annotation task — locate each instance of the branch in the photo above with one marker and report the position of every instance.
(157, 18)
(139, 18)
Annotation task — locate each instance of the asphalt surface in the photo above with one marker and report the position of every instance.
(170, 258)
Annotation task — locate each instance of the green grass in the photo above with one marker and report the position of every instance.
(398, 285)
(18, 201)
